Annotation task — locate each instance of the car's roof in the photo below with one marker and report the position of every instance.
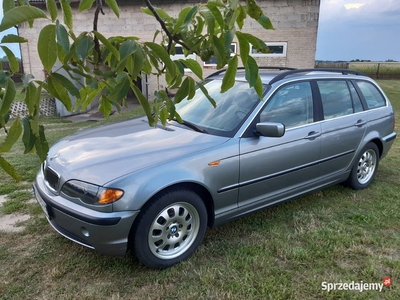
(270, 75)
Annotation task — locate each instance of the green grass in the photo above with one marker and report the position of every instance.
(285, 252)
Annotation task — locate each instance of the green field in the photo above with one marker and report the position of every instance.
(285, 252)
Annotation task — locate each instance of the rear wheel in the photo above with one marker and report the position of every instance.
(170, 229)
(364, 169)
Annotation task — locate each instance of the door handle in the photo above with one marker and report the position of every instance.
(312, 135)
(360, 123)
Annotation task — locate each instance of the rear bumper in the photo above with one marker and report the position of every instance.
(106, 233)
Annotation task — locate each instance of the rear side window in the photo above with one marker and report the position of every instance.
(336, 98)
(371, 94)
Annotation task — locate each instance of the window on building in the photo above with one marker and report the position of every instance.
(275, 50)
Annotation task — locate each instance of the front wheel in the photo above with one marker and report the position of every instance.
(170, 229)
(364, 169)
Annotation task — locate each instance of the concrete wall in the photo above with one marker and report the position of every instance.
(295, 22)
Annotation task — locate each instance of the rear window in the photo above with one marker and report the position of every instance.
(372, 95)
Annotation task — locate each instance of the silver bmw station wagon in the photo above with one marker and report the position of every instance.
(155, 190)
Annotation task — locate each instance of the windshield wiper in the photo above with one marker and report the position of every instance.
(191, 126)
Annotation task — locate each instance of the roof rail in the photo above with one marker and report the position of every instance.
(260, 68)
(333, 70)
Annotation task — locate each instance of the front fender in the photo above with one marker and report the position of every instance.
(141, 186)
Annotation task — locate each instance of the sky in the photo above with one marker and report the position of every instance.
(359, 29)
(347, 30)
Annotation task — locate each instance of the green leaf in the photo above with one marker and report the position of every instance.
(160, 52)
(9, 169)
(62, 37)
(52, 9)
(120, 90)
(229, 78)
(41, 145)
(127, 48)
(32, 98)
(265, 22)
(105, 106)
(256, 42)
(244, 47)
(210, 20)
(219, 52)
(189, 17)
(7, 5)
(8, 97)
(28, 138)
(12, 60)
(12, 38)
(138, 61)
(67, 13)
(205, 92)
(13, 135)
(191, 88)
(47, 46)
(107, 44)
(217, 14)
(255, 12)
(241, 16)
(181, 18)
(251, 72)
(85, 4)
(83, 46)
(194, 66)
(72, 89)
(27, 79)
(20, 14)
(114, 6)
(182, 91)
(233, 4)
(144, 103)
(229, 35)
(259, 87)
(162, 13)
(57, 89)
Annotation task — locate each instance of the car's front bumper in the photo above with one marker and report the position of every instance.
(106, 233)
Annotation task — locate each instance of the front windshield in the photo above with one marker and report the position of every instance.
(232, 108)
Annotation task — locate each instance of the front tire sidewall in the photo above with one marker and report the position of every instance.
(353, 181)
(149, 214)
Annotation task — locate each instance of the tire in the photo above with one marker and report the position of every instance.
(364, 169)
(170, 228)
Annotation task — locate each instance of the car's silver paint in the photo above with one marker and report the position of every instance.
(253, 172)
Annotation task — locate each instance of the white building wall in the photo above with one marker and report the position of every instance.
(295, 22)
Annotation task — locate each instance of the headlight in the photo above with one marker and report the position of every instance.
(90, 193)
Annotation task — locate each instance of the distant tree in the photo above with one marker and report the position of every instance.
(390, 60)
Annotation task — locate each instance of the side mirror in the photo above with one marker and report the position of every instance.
(270, 129)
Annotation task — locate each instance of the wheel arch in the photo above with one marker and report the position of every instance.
(200, 190)
(379, 144)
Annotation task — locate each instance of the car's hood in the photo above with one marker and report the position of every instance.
(104, 153)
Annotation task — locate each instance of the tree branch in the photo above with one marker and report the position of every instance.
(99, 8)
(171, 37)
